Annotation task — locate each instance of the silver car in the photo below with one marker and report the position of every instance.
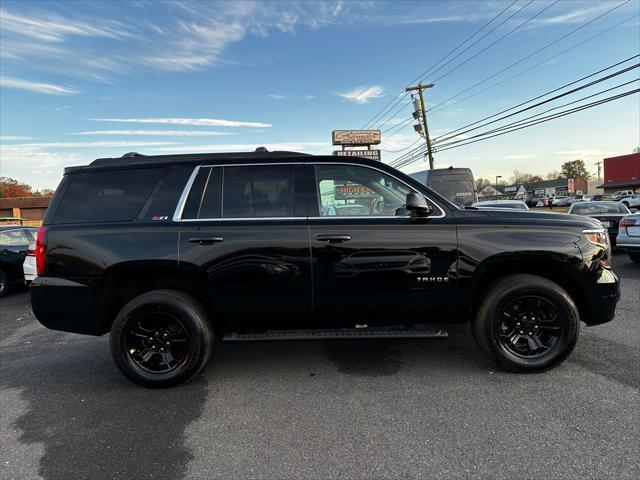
(629, 236)
(631, 201)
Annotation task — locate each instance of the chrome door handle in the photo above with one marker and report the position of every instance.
(206, 240)
(333, 238)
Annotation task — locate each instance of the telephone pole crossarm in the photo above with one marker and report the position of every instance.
(420, 87)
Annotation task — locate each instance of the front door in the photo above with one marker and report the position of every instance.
(244, 230)
(372, 262)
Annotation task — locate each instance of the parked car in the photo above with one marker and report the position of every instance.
(14, 241)
(29, 268)
(615, 196)
(608, 213)
(631, 201)
(562, 201)
(511, 204)
(629, 236)
(165, 251)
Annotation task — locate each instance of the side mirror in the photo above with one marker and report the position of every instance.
(417, 205)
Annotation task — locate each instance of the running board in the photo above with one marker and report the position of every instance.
(337, 334)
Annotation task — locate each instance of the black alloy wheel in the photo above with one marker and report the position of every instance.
(161, 338)
(526, 323)
(157, 341)
(529, 326)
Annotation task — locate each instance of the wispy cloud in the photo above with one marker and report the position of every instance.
(55, 28)
(155, 133)
(106, 144)
(13, 138)
(243, 147)
(362, 94)
(199, 122)
(38, 87)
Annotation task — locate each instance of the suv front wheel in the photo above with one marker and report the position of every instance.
(161, 338)
(527, 323)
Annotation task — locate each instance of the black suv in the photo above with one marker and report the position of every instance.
(163, 251)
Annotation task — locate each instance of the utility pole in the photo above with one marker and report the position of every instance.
(598, 164)
(497, 177)
(420, 87)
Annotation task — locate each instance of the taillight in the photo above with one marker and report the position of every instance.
(41, 252)
(627, 222)
(31, 250)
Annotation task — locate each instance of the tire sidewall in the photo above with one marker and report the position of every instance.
(198, 333)
(505, 292)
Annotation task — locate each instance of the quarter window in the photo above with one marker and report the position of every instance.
(349, 190)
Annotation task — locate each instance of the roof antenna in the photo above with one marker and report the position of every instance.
(132, 154)
(262, 150)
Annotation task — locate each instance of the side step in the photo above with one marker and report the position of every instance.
(337, 334)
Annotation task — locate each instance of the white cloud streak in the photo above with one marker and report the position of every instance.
(106, 144)
(55, 28)
(38, 87)
(247, 147)
(13, 138)
(199, 122)
(155, 133)
(362, 95)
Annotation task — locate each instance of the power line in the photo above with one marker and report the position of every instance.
(525, 120)
(499, 39)
(532, 54)
(402, 149)
(519, 125)
(548, 118)
(400, 95)
(462, 130)
(576, 45)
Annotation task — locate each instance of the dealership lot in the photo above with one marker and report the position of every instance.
(363, 409)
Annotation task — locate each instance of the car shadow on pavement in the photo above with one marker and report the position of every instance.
(90, 420)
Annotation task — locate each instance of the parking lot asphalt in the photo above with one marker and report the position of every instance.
(350, 409)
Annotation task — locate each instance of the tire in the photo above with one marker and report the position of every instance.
(527, 302)
(147, 324)
(4, 283)
(635, 257)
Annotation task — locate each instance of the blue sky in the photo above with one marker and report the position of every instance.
(81, 80)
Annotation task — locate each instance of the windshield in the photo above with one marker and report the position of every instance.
(598, 208)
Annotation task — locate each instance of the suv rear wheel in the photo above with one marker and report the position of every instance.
(161, 338)
(527, 323)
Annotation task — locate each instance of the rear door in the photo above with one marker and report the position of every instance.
(13, 249)
(373, 263)
(244, 231)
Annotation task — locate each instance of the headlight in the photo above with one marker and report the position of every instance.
(600, 237)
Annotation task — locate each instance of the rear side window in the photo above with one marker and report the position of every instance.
(204, 198)
(113, 196)
(258, 192)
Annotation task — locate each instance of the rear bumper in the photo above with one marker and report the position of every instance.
(66, 305)
(602, 299)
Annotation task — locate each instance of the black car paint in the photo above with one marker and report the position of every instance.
(267, 274)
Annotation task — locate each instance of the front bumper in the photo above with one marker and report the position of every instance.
(600, 303)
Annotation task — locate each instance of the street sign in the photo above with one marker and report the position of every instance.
(370, 154)
(356, 137)
(570, 185)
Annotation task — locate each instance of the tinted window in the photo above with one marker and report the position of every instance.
(106, 196)
(598, 208)
(164, 198)
(258, 192)
(348, 190)
(11, 238)
(204, 197)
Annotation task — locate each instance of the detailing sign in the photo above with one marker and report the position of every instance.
(370, 154)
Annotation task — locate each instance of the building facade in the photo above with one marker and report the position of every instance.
(30, 209)
(547, 188)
